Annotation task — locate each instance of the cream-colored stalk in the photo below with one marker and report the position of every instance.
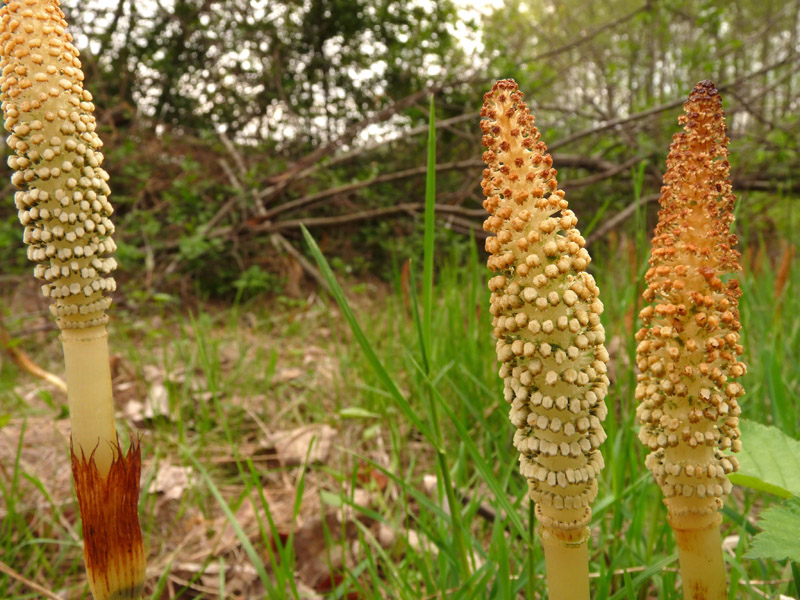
(63, 204)
(689, 344)
(546, 316)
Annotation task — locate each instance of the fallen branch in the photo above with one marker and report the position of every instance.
(283, 180)
(608, 169)
(776, 183)
(26, 363)
(408, 207)
(442, 123)
(611, 172)
(4, 568)
(312, 198)
(620, 217)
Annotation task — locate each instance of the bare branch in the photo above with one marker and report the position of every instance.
(620, 217)
(282, 242)
(611, 171)
(283, 180)
(567, 160)
(591, 34)
(408, 207)
(666, 106)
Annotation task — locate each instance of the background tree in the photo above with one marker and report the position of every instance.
(246, 118)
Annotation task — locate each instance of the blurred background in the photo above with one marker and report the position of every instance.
(228, 123)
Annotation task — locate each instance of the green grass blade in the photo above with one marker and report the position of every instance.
(628, 583)
(418, 324)
(362, 340)
(480, 464)
(392, 573)
(645, 575)
(251, 552)
(599, 214)
(426, 327)
(430, 203)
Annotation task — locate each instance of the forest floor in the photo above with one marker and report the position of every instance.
(256, 386)
(276, 463)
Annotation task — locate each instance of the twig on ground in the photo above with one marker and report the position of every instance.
(4, 568)
(26, 363)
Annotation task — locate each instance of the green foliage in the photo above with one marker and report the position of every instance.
(769, 460)
(778, 539)
(170, 77)
(194, 248)
(288, 81)
(395, 243)
(12, 250)
(586, 64)
(253, 281)
(241, 64)
(216, 360)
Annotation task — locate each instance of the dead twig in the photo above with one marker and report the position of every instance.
(611, 172)
(283, 180)
(592, 34)
(408, 207)
(4, 568)
(567, 160)
(620, 217)
(281, 242)
(343, 189)
(26, 363)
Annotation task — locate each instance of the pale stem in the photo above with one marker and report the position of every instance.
(700, 555)
(566, 564)
(91, 405)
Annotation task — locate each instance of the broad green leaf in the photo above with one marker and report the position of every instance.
(779, 539)
(769, 460)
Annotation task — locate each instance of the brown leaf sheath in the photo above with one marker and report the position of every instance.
(113, 548)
